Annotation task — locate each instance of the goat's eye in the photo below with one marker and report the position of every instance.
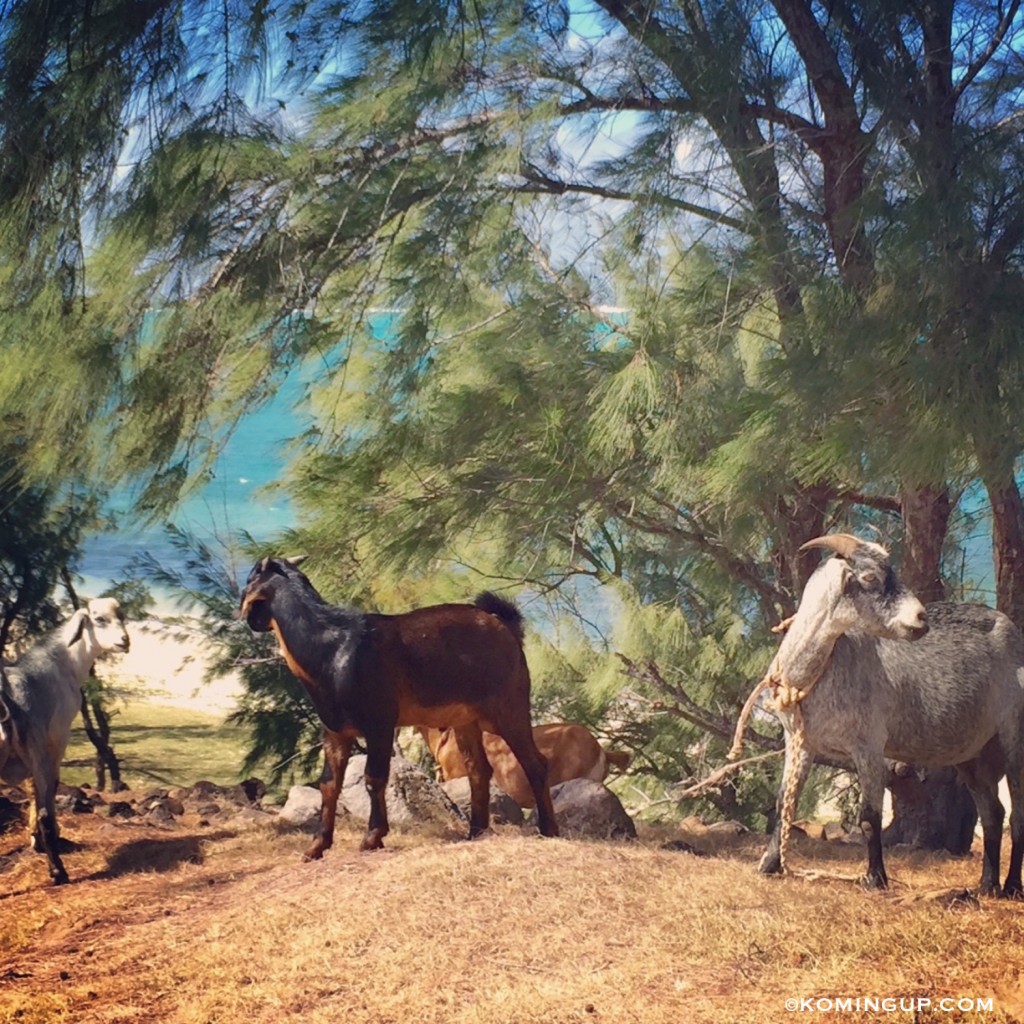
(870, 579)
(101, 621)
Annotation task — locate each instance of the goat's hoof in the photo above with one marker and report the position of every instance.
(315, 852)
(372, 841)
(1013, 891)
(60, 878)
(875, 883)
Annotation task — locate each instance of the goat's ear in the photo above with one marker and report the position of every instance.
(75, 627)
(295, 560)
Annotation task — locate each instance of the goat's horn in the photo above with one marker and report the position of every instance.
(843, 544)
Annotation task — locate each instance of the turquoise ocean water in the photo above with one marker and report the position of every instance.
(243, 494)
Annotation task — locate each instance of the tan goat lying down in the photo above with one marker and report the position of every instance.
(571, 752)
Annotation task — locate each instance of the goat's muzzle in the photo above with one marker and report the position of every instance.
(255, 610)
(917, 627)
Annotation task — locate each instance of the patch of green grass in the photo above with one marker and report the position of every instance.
(162, 746)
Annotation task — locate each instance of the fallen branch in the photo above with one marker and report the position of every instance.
(720, 775)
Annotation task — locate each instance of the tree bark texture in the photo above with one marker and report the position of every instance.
(932, 810)
(926, 512)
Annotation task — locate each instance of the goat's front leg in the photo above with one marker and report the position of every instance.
(337, 747)
(378, 767)
(43, 822)
(871, 774)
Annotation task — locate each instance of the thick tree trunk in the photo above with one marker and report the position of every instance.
(932, 810)
(799, 518)
(926, 512)
(996, 465)
(1008, 546)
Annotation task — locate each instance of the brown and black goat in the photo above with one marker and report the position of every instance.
(458, 666)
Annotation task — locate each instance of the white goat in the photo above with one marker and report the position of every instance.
(40, 694)
(848, 687)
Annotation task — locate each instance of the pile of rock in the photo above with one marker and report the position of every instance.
(413, 798)
(201, 804)
(583, 808)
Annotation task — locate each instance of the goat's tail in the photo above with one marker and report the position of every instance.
(502, 609)
(618, 758)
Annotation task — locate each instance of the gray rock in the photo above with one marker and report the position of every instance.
(729, 828)
(412, 796)
(302, 806)
(504, 810)
(589, 810)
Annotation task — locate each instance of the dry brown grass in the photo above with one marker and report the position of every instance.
(193, 927)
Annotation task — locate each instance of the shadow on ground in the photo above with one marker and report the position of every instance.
(158, 854)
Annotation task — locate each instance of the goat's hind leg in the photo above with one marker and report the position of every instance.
(519, 737)
(1012, 887)
(1011, 748)
(471, 747)
(981, 776)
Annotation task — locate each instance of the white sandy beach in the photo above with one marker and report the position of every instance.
(166, 665)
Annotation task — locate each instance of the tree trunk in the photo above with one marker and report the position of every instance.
(926, 512)
(799, 518)
(1008, 546)
(98, 731)
(99, 735)
(932, 810)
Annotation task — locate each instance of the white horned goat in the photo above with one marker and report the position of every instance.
(40, 694)
(848, 687)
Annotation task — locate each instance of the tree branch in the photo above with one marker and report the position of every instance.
(684, 706)
(994, 43)
(537, 181)
(716, 778)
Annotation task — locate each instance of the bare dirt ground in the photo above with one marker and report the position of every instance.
(223, 924)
